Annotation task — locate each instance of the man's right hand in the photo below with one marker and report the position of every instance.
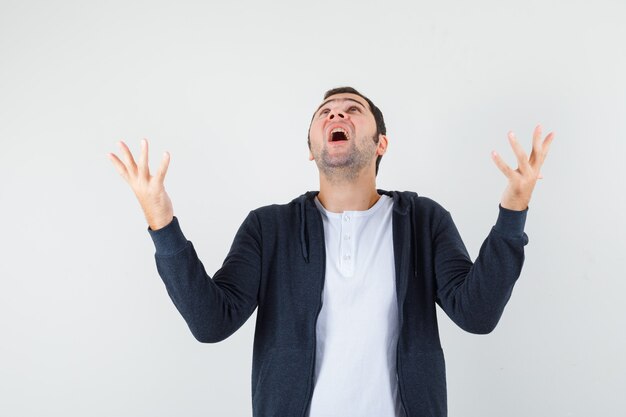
(156, 204)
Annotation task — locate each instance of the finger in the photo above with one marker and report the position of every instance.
(131, 166)
(522, 158)
(536, 151)
(165, 162)
(546, 143)
(119, 166)
(537, 137)
(144, 168)
(544, 151)
(506, 170)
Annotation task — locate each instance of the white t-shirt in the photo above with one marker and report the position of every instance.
(357, 328)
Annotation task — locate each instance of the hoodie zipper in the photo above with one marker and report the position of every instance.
(400, 322)
(319, 308)
(312, 371)
(399, 383)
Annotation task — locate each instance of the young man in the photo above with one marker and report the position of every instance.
(345, 279)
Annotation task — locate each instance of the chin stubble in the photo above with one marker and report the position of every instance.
(347, 166)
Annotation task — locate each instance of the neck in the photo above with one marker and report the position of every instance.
(354, 194)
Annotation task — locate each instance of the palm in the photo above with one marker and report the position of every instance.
(148, 189)
(522, 180)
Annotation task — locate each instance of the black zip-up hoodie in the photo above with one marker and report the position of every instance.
(277, 263)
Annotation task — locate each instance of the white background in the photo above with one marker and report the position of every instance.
(86, 326)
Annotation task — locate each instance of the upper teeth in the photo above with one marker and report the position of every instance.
(339, 129)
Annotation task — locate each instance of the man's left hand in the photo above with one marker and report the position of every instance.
(523, 179)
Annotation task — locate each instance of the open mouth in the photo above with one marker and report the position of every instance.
(338, 134)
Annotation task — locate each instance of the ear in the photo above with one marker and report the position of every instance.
(383, 142)
(310, 156)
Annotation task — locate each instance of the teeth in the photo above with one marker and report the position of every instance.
(339, 129)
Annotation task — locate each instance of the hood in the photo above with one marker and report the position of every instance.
(403, 204)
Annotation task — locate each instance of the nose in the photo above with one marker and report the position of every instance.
(331, 115)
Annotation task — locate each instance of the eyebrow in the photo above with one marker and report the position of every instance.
(334, 99)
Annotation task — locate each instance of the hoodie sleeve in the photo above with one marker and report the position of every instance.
(214, 308)
(474, 294)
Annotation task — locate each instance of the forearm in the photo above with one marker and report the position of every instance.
(474, 294)
(213, 308)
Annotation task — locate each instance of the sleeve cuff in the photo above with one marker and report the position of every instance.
(511, 222)
(169, 239)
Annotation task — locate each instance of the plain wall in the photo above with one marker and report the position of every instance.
(86, 326)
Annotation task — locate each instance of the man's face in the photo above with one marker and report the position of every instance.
(342, 135)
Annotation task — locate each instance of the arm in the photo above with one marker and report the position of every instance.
(474, 295)
(214, 308)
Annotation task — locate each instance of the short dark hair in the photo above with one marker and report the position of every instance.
(378, 116)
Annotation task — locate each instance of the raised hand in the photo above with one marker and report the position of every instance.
(149, 190)
(522, 180)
